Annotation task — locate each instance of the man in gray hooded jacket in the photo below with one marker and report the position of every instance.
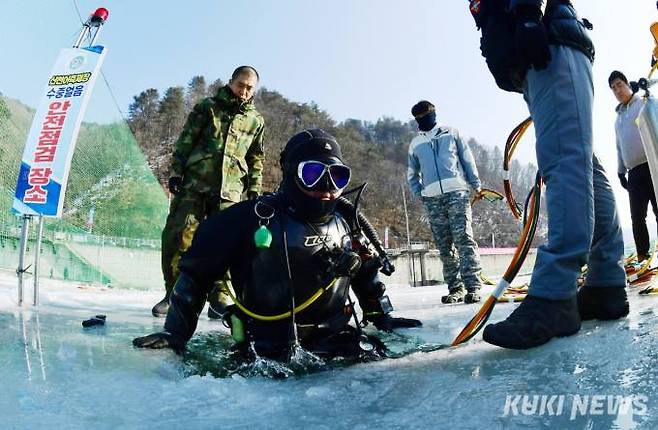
(632, 159)
(441, 169)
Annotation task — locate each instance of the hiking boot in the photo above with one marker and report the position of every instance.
(472, 297)
(455, 295)
(535, 322)
(602, 303)
(642, 258)
(160, 309)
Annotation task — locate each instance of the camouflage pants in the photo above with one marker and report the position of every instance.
(187, 210)
(450, 220)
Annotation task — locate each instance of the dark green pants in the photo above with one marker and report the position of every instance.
(187, 210)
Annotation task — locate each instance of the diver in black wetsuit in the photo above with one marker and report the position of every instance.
(293, 257)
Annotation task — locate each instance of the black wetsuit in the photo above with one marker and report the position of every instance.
(264, 286)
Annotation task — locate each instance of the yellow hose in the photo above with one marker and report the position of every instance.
(284, 315)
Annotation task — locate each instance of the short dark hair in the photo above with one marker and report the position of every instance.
(616, 74)
(421, 108)
(243, 70)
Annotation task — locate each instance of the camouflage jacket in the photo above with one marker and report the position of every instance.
(220, 150)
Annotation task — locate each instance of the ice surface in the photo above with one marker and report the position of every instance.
(55, 374)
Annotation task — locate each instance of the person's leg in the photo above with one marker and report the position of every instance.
(440, 226)
(218, 299)
(560, 101)
(459, 215)
(639, 196)
(183, 213)
(605, 266)
(604, 296)
(652, 196)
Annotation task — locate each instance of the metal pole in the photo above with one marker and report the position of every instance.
(423, 276)
(37, 257)
(95, 36)
(21, 257)
(98, 263)
(83, 33)
(412, 265)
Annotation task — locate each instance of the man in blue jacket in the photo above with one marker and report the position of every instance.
(441, 170)
(546, 54)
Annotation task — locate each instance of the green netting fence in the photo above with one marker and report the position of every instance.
(114, 209)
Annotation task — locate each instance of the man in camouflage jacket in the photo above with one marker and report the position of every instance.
(217, 159)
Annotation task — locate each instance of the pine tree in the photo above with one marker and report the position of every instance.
(212, 88)
(196, 90)
(143, 119)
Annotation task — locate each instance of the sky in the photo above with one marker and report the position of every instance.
(359, 59)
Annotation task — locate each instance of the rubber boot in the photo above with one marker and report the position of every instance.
(472, 297)
(535, 322)
(456, 295)
(160, 309)
(602, 303)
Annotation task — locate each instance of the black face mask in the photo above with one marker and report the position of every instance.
(307, 207)
(427, 122)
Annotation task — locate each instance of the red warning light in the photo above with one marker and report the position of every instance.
(100, 15)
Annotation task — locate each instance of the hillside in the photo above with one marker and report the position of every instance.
(115, 166)
(377, 152)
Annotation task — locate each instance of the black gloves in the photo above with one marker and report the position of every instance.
(385, 322)
(623, 180)
(531, 38)
(251, 195)
(175, 183)
(160, 340)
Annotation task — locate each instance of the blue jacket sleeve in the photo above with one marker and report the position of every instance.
(413, 174)
(468, 163)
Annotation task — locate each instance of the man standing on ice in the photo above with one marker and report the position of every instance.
(217, 158)
(441, 169)
(547, 54)
(632, 159)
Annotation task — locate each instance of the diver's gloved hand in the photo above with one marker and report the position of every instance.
(252, 195)
(175, 184)
(160, 340)
(623, 180)
(531, 38)
(385, 322)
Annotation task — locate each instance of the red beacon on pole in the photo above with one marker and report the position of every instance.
(95, 21)
(99, 17)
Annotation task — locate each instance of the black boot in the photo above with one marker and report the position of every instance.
(535, 322)
(472, 297)
(456, 295)
(160, 309)
(602, 303)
